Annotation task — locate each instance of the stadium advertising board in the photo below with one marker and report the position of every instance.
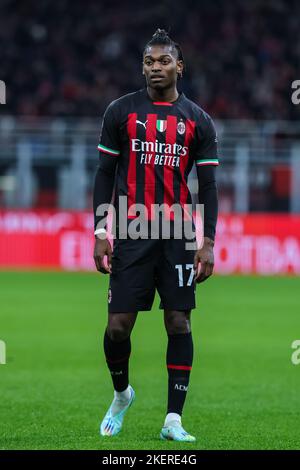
(245, 244)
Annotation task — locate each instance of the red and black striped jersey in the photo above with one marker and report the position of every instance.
(154, 146)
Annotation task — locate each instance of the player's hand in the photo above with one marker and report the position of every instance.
(102, 249)
(205, 256)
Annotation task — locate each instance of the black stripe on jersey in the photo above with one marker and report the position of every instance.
(177, 181)
(140, 169)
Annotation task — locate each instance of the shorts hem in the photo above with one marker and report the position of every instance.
(130, 310)
(179, 308)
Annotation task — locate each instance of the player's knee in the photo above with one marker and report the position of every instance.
(177, 323)
(118, 330)
(178, 328)
(117, 334)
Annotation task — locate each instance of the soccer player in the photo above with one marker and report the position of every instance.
(150, 140)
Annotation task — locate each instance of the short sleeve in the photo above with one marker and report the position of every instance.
(206, 145)
(109, 142)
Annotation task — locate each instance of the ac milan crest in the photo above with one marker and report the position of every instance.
(181, 127)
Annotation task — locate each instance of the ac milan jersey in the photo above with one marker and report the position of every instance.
(155, 145)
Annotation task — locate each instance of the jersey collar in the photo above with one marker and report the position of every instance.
(164, 103)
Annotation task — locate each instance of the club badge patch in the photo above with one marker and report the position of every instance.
(161, 125)
(181, 127)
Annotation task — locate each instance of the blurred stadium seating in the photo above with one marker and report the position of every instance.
(62, 64)
(71, 59)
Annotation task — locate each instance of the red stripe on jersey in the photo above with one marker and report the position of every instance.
(149, 185)
(162, 103)
(131, 175)
(171, 366)
(169, 170)
(189, 134)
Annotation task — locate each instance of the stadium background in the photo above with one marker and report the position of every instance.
(62, 63)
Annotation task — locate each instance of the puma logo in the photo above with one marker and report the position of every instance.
(143, 123)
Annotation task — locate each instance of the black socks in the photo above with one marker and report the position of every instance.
(179, 364)
(117, 358)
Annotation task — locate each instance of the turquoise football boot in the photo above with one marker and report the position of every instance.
(112, 425)
(176, 433)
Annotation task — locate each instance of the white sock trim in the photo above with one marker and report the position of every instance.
(123, 396)
(171, 418)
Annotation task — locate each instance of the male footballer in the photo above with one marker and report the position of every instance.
(149, 142)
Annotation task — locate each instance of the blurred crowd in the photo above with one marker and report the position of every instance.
(71, 58)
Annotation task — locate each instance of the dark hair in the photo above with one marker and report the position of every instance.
(161, 37)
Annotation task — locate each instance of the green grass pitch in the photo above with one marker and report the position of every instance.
(244, 390)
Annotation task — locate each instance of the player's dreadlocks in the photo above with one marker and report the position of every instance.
(161, 37)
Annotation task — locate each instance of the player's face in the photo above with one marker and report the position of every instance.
(161, 66)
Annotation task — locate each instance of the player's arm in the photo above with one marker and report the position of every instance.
(206, 163)
(103, 188)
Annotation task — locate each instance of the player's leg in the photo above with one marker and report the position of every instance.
(176, 289)
(179, 358)
(131, 289)
(117, 348)
(179, 364)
